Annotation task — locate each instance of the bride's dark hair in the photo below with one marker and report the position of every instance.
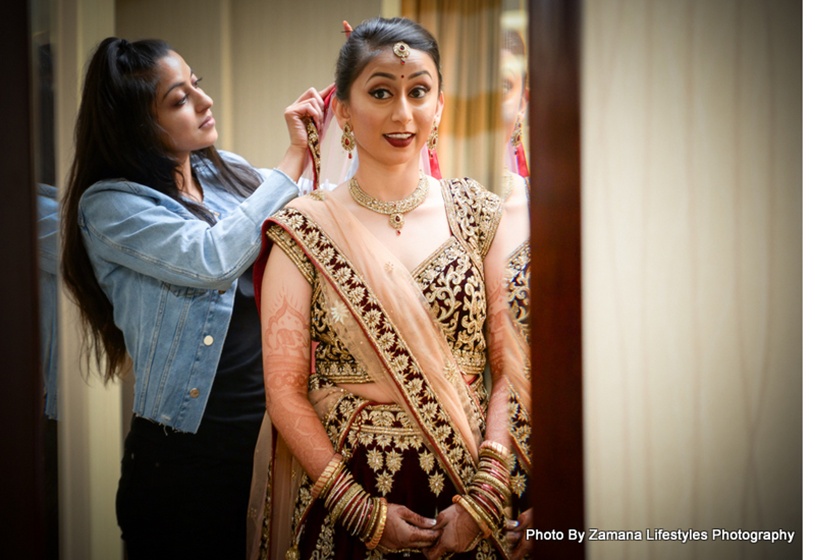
(370, 38)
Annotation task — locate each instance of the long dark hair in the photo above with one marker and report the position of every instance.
(117, 136)
(369, 39)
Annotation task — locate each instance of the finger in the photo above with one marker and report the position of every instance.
(525, 519)
(423, 538)
(512, 538)
(442, 521)
(313, 101)
(305, 95)
(308, 108)
(521, 551)
(436, 551)
(415, 519)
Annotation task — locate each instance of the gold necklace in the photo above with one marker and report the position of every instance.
(393, 208)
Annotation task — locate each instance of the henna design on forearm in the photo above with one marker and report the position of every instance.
(286, 361)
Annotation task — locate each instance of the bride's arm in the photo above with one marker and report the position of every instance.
(285, 316)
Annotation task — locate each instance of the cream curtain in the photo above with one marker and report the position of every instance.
(469, 133)
(692, 273)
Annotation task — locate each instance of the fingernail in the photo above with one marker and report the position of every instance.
(512, 524)
(432, 521)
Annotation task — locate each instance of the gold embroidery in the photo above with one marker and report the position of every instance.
(384, 483)
(518, 484)
(375, 460)
(426, 461)
(436, 482)
(293, 251)
(325, 542)
(517, 285)
(520, 427)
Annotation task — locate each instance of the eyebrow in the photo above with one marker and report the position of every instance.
(172, 87)
(392, 77)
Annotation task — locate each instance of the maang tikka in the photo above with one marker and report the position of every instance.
(401, 50)
(347, 140)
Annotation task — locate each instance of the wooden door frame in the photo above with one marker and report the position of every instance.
(21, 388)
(558, 492)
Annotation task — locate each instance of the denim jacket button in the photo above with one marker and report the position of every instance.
(194, 393)
(208, 340)
(222, 292)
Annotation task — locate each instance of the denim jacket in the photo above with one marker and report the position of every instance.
(47, 229)
(171, 279)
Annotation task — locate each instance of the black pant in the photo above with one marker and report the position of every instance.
(175, 504)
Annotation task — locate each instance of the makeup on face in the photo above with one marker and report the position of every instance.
(392, 106)
(183, 110)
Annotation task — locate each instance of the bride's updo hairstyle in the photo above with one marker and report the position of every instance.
(374, 36)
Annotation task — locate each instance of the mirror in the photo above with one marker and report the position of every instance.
(251, 75)
(515, 194)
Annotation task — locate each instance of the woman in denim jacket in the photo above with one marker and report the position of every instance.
(159, 232)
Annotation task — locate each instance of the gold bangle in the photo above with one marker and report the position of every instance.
(349, 494)
(489, 458)
(481, 502)
(488, 497)
(380, 526)
(328, 473)
(503, 454)
(332, 479)
(479, 519)
(493, 523)
(493, 482)
(370, 524)
(338, 489)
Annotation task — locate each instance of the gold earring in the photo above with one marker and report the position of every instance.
(517, 132)
(433, 139)
(347, 140)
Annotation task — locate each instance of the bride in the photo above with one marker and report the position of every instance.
(373, 304)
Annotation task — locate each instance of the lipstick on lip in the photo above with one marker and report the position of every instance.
(400, 139)
(208, 122)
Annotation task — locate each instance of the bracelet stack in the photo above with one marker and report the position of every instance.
(489, 489)
(347, 502)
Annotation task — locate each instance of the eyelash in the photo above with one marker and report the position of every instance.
(421, 89)
(184, 99)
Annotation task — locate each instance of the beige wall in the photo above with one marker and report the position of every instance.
(90, 439)
(692, 269)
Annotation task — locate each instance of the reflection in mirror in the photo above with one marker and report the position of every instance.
(515, 193)
(47, 233)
